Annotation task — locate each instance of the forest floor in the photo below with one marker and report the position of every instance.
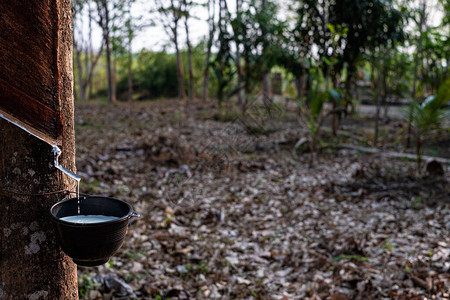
(231, 210)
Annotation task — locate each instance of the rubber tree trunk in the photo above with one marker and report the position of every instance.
(206, 76)
(267, 89)
(206, 73)
(109, 62)
(130, 73)
(377, 92)
(180, 73)
(189, 57)
(212, 27)
(240, 94)
(32, 266)
(91, 50)
(423, 7)
(81, 86)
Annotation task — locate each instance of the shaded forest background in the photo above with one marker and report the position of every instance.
(393, 46)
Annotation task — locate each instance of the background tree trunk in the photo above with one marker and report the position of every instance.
(376, 95)
(418, 54)
(189, 57)
(130, 73)
(267, 91)
(240, 94)
(212, 27)
(113, 79)
(104, 22)
(206, 75)
(81, 86)
(109, 70)
(180, 73)
(91, 52)
(32, 266)
(130, 31)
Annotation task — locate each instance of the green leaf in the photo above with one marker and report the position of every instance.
(331, 28)
(316, 105)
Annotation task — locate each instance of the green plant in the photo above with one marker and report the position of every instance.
(86, 285)
(416, 201)
(387, 245)
(425, 118)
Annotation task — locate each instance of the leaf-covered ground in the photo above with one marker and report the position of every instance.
(230, 211)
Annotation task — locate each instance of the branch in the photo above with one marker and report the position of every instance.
(91, 69)
(393, 154)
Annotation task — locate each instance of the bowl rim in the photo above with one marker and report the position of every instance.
(131, 213)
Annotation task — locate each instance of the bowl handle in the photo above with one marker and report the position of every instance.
(134, 214)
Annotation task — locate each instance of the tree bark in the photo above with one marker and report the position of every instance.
(418, 53)
(180, 73)
(376, 99)
(113, 78)
(81, 86)
(386, 64)
(91, 52)
(104, 23)
(267, 93)
(130, 31)
(212, 27)
(130, 73)
(206, 75)
(300, 83)
(189, 56)
(32, 266)
(240, 94)
(88, 82)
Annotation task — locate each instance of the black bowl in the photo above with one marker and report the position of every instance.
(94, 243)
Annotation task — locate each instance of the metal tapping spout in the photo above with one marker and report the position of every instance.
(57, 153)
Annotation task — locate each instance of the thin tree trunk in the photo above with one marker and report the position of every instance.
(130, 31)
(240, 94)
(189, 57)
(111, 98)
(377, 116)
(93, 61)
(80, 93)
(247, 70)
(88, 81)
(377, 100)
(416, 64)
(267, 93)
(32, 266)
(109, 70)
(386, 63)
(206, 76)
(181, 92)
(212, 29)
(419, 154)
(300, 83)
(130, 73)
(81, 89)
(298, 87)
(113, 77)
